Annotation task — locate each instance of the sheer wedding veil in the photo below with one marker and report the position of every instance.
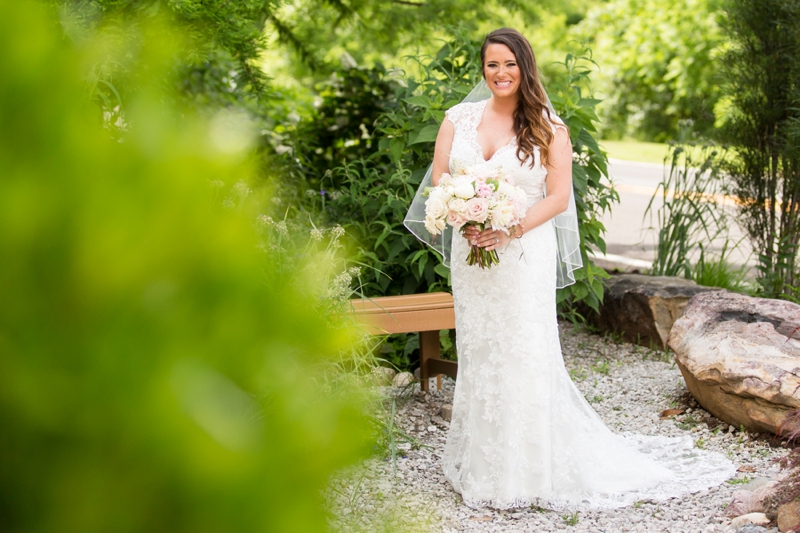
(566, 224)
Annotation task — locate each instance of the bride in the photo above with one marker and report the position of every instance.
(521, 432)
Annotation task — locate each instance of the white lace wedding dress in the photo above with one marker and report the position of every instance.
(521, 432)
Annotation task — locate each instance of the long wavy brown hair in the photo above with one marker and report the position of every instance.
(532, 119)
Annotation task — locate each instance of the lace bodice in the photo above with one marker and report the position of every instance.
(521, 432)
(466, 151)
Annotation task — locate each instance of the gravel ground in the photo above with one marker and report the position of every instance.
(628, 385)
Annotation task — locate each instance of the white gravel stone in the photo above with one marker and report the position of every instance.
(628, 385)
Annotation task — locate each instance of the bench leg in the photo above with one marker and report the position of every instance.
(428, 349)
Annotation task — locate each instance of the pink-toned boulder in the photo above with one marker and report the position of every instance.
(789, 516)
(746, 501)
(737, 359)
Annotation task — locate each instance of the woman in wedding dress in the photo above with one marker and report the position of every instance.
(521, 432)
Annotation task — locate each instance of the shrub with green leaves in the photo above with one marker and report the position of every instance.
(370, 196)
(660, 64)
(157, 373)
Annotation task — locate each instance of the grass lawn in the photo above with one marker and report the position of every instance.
(643, 152)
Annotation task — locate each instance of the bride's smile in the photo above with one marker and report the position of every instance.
(501, 71)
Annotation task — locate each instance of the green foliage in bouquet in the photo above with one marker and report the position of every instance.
(156, 375)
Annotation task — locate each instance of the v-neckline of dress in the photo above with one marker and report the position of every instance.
(475, 136)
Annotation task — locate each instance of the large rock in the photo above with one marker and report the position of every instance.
(789, 516)
(757, 519)
(750, 501)
(738, 361)
(643, 308)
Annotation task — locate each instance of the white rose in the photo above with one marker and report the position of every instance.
(442, 195)
(435, 207)
(502, 216)
(456, 219)
(477, 210)
(432, 226)
(459, 205)
(464, 189)
(505, 189)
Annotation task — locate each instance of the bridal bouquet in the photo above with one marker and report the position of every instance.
(479, 195)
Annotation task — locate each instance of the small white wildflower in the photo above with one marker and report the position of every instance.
(337, 231)
(241, 189)
(281, 228)
(265, 221)
(354, 272)
(311, 193)
(277, 201)
(216, 184)
(282, 149)
(317, 235)
(340, 286)
(228, 203)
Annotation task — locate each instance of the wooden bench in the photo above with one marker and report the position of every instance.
(412, 313)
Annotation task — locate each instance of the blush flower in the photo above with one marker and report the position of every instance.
(484, 191)
(477, 210)
(456, 219)
(481, 195)
(459, 205)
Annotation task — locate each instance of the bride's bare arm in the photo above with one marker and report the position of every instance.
(441, 153)
(559, 182)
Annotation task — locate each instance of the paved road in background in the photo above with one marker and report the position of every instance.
(630, 237)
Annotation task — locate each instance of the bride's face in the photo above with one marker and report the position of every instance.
(501, 70)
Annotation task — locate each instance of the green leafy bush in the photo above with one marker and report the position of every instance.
(375, 192)
(342, 127)
(369, 197)
(717, 271)
(593, 195)
(659, 64)
(157, 373)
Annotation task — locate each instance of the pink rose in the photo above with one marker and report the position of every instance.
(477, 210)
(484, 191)
(456, 219)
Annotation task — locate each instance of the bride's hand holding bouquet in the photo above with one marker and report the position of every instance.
(479, 196)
